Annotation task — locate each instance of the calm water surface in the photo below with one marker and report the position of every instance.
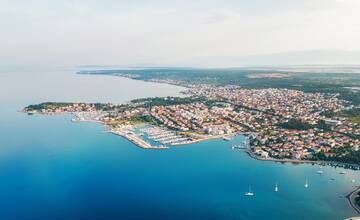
(51, 168)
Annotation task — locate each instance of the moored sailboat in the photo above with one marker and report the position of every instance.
(249, 193)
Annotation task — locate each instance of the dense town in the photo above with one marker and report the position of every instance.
(279, 123)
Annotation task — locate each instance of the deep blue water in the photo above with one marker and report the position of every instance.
(51, 168)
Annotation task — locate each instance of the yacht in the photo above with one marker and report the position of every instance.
(249, 193)
(342, 172)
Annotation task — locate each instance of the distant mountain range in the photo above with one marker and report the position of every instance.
(313, 59)
(328, 57)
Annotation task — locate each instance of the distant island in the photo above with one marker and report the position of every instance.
(281, 124)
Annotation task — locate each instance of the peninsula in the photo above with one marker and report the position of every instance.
(280, 124)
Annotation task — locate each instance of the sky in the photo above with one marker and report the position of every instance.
(177, 32)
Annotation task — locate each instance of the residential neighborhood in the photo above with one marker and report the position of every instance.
(280, 123)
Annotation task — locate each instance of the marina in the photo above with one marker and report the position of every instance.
(165, 136)
(127, 132)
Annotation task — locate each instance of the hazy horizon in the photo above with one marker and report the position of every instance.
(179, 33)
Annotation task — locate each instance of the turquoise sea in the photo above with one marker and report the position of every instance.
(51, 168)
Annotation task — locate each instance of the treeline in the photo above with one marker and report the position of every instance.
(148, 102)
(145, 119)
(54, 105)
(46, 105)
(343, 155)
(295, 124)
(353, 115)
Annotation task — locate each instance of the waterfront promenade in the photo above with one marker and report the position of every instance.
(295, 161)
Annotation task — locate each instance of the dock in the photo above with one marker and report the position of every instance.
(136, 140)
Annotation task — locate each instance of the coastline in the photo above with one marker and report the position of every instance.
(138, 141)
(143, 145)
(294, 161)
(140, 79)
(248, 151)
(128, 136)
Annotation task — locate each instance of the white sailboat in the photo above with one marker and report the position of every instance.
(249, 193)
(276, 188)
(306, 184)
